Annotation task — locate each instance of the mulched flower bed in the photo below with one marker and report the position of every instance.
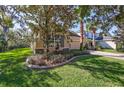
(52, 59)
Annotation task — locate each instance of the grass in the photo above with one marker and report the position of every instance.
(110, 51)
(84, 71)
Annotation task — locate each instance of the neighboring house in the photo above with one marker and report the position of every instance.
(72, 41)
(102, 41)
(107, 42)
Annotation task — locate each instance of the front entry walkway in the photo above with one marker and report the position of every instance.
(106, 54)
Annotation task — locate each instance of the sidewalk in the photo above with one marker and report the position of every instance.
(106, 54)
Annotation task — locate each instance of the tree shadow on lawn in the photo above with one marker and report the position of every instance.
(101, 68)
(14, 73)
(21, 77)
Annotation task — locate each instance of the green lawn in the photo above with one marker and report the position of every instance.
(84, 71)
(110, 51)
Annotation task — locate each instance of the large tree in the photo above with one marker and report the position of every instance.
(119, 20)
(5, 24)
(108, 17)
(44, 21)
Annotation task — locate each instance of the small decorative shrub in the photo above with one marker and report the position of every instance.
(52, 58)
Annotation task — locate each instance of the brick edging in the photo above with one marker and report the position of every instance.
(53, 66)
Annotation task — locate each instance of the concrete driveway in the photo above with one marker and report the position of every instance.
(106, 54)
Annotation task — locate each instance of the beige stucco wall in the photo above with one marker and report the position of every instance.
(75, 44)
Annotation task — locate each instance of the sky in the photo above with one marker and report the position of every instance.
(77, 29)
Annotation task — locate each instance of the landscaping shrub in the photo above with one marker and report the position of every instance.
(53, 57)
(120, 47)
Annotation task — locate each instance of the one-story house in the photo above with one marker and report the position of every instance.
(72, 41)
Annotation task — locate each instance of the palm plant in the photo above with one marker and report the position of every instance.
(91, 27)
(82, 12)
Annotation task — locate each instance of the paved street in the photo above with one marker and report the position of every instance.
(106, 54)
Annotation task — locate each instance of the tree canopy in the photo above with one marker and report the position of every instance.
(50, 20)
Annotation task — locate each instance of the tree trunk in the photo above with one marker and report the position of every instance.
(81, 33)
(34, 44)
(94, 42)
